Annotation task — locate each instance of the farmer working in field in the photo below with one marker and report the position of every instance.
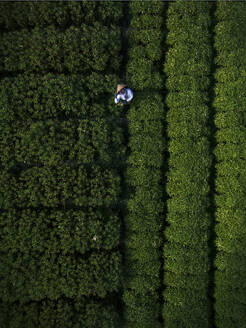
(124, 93)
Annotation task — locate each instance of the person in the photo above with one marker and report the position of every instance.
(124, 93)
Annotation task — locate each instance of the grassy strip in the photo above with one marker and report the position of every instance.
(186, 253)
(230, 118)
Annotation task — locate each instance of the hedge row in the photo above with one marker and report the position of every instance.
(230, 119)
(145, 46)
(186, 253)
(63, 14)
(53, 186)
(142, 303)
(56, 96)
(48, 313)
(43, 97)
(55, 143)
(75, 50)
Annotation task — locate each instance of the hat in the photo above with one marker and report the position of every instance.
(120, 86)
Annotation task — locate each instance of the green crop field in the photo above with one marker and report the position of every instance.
(123, 216)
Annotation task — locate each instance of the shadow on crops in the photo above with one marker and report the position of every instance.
(212, 178)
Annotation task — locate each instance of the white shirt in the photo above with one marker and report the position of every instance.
(127, 96)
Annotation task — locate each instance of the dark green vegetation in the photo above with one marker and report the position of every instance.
(186, 260)
(122, 216)
(145, 204)
(230, 119)
(60, 155)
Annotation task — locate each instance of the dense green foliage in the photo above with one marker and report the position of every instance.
(75, 50)
(145, 205)
(60, 149)
(52, 120)
(230, 119)
(29, 14)
(186, 260)
(128, 216)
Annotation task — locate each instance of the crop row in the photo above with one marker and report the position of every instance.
(54, 143)
(56, 96)
(230, 119)
(81, 312)
(142, 304)
(75, 50)
(54, 186)
(63, 14)
(186, 247)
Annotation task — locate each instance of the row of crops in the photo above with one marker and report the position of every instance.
(108, 222)
(144, 219)
(186, 252)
